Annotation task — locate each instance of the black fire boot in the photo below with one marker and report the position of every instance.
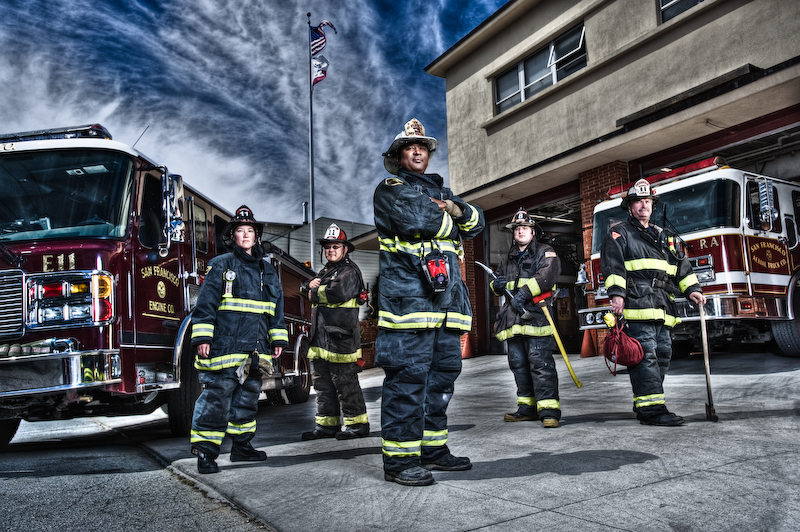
(318, 433)
(448, 463)
(205, 462)
(244, 452)
(413, 476)
(361, 430)
(520, 415)
(549, 422)
(665, 419)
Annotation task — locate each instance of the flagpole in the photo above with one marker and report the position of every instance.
(310, 146)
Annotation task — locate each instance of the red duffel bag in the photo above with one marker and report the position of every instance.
(620, 348)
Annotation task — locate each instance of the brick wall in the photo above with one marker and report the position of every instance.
(369, 332)
(469, 341)
(594, 185)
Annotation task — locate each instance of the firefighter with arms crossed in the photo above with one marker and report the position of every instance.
(529, 269)
(642, 267)
(423, 308)
(335, 295)
(236, 326)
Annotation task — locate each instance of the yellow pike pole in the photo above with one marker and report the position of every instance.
(560, 345)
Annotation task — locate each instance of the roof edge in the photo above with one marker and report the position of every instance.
(497, 21)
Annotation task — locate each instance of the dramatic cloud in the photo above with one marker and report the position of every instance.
(220, 88)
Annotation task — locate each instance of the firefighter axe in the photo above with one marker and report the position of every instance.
(527, 315)
(710, 413)
(541, 300)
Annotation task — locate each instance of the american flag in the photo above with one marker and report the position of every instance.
(318, 37)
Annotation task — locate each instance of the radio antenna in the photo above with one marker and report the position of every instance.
(140, 137)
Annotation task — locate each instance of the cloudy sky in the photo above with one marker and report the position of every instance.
(221, 88)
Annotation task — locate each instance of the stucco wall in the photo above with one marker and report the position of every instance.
(633, 63)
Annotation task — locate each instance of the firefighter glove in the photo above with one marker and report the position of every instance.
(265, 366)
(243, 370)
(499, 284)
(452, 209)
(518, 302)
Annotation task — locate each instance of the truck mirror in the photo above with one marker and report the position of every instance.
(791, 233)
(171, 202)
(767, 213)
(177, 229)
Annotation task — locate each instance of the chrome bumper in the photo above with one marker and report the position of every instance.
(718, 307)
(52, 373)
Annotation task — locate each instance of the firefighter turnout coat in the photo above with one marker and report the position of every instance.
(642, 266)
(418, 343)
(530, 342)
(411, 229)
(239, 310)
(534, 271)
(335, 333)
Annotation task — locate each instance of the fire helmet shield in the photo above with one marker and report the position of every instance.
(335, 234)
(640, 190)
(413, 132)
(243, 216)
(521, 217)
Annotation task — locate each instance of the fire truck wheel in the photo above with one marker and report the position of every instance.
(301, 390)
(787, 333)
(180, 404)
(8, 427)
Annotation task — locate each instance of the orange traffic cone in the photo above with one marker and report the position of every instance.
(466, 347)
(588, 348)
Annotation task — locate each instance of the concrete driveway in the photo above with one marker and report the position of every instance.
(601, 470)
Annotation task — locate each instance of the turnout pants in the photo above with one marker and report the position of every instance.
(225, 407)
(421, 368)
(647, 376)
(531, 361)
(338, 388)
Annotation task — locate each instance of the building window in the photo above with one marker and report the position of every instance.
(669, 9)
(552, 63)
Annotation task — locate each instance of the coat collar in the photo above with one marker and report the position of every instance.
(433, 180)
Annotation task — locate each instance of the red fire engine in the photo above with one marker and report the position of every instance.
(740, 234)
(102, 253)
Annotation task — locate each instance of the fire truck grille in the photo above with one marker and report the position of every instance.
(11, 304)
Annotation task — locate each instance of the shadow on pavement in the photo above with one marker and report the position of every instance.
(571, 464)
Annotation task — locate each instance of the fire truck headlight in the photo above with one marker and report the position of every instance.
(589, 318)
(70, 299)
(79, 312)
(52, 313)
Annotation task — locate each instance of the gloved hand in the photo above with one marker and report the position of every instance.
(499, 284)
(518, 302)
(452, 209)
(265, 366)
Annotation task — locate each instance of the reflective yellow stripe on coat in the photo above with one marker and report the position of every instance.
(419, 249)
(235, 304)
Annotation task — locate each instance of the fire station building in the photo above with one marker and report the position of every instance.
(552, 102)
